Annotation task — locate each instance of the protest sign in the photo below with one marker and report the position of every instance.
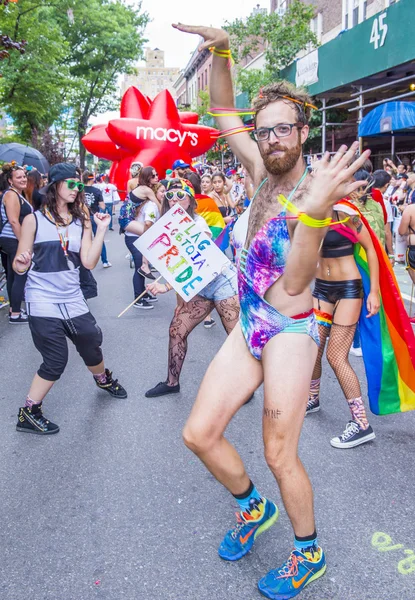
(186, 257)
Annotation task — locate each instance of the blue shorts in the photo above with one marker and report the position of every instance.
(223, 286)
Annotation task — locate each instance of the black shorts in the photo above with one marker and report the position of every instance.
(333, 291)
(410, 258)
(49, 336)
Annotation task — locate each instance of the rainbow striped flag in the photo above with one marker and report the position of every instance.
(208, 209)
(388, 341)
(223, 241)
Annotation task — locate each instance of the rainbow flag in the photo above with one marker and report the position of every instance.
(208, 209)
(388, 341)
(223, 241)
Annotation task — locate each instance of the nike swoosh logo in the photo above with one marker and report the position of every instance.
(244, 539)
(297, 584)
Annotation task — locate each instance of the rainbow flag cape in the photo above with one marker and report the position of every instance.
(388, 341)
(208, 209)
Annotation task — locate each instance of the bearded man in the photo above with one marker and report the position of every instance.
(275, 341)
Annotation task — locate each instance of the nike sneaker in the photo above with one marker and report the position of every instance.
(250, 524)
(289, 580)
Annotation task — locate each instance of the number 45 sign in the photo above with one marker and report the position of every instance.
(379, 31)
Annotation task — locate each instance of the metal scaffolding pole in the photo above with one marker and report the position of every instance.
(324, 128)
(361, 102)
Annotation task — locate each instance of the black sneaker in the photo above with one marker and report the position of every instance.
(112, 386)
(313, 405)
(143, 304)
(209, 323)
(353, 436)
(20, 319)
(144, 274)
(162, 389)
(150, 297)
(31, 420)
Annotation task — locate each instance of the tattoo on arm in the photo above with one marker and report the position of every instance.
(272, 413)
(358, 224)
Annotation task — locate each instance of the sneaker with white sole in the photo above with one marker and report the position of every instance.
(313, 406)
(356, 351)
(353, 436)
(143, 304)
(209, 323)
(150, 297)
(22, 318)
(107, 265)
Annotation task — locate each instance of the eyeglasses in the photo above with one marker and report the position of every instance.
(178, 194)
(281, 130)
(73, 184)
(154, 175)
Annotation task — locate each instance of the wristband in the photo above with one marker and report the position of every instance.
(223, 54)
(306, 219)
(21, 272)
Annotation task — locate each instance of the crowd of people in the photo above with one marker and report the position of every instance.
(52, 236)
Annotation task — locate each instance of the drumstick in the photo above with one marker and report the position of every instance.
(137, 299)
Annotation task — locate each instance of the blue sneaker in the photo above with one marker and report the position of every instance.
(288, 581)
(239, 540)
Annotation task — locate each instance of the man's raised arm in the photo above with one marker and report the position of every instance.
(221, 96)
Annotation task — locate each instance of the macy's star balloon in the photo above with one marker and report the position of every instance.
(153, 133)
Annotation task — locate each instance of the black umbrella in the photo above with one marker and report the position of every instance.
(24, 155)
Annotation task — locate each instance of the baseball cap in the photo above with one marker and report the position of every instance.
(169, 171)
(59, 172)
(402, 176)
(180, 164)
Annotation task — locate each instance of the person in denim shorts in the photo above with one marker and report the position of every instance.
(221, 293)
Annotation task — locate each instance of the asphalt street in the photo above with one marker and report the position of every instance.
(115, 507)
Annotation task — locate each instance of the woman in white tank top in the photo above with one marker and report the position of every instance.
(53, 244)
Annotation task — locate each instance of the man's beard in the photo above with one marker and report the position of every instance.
(279, 165)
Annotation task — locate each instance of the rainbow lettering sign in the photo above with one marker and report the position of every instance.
(186, 257)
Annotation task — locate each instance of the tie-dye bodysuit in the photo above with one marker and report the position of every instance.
(259, 268)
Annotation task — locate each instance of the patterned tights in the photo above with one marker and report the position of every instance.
(340, 341)
(186, 317)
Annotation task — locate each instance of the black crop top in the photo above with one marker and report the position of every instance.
(336, 245)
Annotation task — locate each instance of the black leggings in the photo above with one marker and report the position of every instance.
(49, 336)
(138, 280)
(15, 282)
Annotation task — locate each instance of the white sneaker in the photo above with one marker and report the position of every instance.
(356, 351)
(353, 436)
(107, 265)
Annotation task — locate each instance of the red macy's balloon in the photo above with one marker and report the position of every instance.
(153, 133)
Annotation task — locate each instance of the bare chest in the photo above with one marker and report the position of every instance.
(266, 206)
